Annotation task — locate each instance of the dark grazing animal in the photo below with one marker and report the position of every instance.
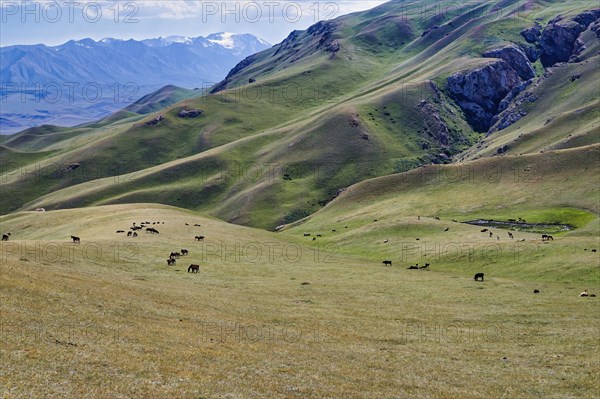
(387, 262)
(129, 233)
(5, 237)
(134, 234)
(171, 262)
(199, 238)
(413, 267)
(151, 230)
(536, 291)
(76, 239)
(447, 228)
(174, 255)
(510, 235)
(546, 237)
(306, 234)
(120, 231)
(193, 268)
(197, 225)
(478, 277)
(184, 252)
(314, 238)
(484, 230)
(424, 267)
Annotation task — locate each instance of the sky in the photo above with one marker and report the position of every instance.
(54, 22)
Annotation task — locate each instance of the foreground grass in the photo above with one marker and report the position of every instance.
(109, 319)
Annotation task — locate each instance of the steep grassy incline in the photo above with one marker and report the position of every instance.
(346, 100)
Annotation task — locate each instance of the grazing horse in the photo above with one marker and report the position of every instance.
(76, 239)
(5, 237)
(197, 225)
(387, 262)
(184, 252)
(193, 268)
(171, 262)
(478, 276)
(199, 238)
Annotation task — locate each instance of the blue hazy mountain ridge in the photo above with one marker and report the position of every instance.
(84, 80)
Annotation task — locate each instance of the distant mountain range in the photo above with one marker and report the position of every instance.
(81, 81)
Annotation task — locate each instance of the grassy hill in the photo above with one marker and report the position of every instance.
(302, 116)
(345, 139)
(269, 312)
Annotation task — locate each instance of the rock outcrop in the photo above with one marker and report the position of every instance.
(515, 58)
(532, 35)
(155, 121)
(559, 40)
(479, 92)
(190, 113)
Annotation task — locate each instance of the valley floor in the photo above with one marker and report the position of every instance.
(278, 315)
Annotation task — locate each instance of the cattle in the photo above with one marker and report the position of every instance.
(374, 220)
(314, 238)
(455, 221)
(447, 228)
(174, 255)
(413, 267)
(584, 293)
(5, 237)
(510, 235)
(134, 234)
(193, 268)
(484, 230)
(437, 218)
(40, 210)
(152, 230)
(306, 234)
(171, 262)
(129, 233)
(536, 291)
(594, 250)
(199, 238)
(76, 239)
(491, 234)
(187, 224)
(546, 237)
(184, 252)
(319, 235)
(424, 267)
(387, 262)
(478, 277)
(385, 241)
(334, 230)
(120, 231)
(418, 217)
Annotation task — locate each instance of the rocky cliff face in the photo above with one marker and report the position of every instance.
(560, 40)
(516, 58)
(479, 92)
(486, 92)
